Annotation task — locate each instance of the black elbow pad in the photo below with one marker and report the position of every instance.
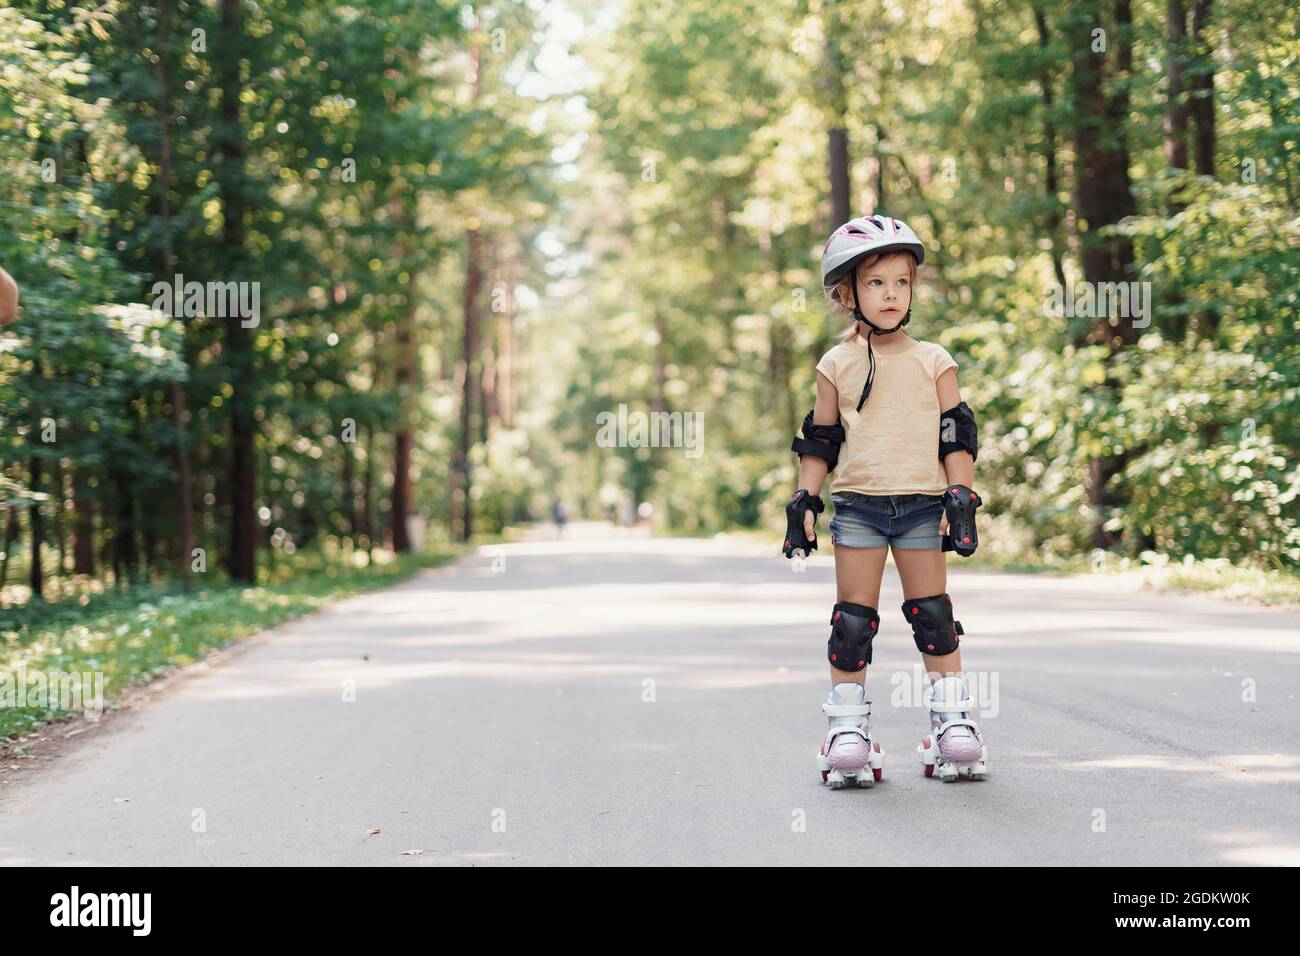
(957, 432)
(822, 441)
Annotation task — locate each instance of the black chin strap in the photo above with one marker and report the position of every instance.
(875, 330)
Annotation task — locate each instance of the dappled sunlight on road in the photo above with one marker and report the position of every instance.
(1227, 768)
(1256, 848)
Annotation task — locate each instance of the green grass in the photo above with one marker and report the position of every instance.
(133, 637)
(1218, 576)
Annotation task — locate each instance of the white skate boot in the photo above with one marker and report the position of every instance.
(848, 752)
(955, 746)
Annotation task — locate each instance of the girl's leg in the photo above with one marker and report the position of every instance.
(857, 579)
(958, 749)
(848, 753)
(924, 573)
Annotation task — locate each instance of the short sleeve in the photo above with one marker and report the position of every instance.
(827, 366)
(942, 361)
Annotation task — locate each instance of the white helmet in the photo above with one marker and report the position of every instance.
(861, 237)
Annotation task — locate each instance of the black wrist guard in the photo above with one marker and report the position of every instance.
(801, 502)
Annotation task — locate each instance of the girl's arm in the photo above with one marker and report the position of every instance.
(957, 465)
(806, 503)
(812, 470)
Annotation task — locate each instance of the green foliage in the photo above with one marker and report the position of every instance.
(361, 163)
(660, 227)
(711, 188)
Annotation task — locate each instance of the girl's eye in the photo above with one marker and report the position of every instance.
(873, 282)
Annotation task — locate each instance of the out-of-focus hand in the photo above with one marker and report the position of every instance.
(8, 298)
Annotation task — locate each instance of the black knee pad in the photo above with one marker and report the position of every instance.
(933, 628)
(852, 628)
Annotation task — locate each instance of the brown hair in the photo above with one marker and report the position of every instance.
(867, 263)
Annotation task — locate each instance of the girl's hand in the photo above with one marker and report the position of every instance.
(943, 523)
(800, 520)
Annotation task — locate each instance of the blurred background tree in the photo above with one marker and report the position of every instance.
(476, 229)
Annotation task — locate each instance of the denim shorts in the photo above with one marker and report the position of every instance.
(906, 522)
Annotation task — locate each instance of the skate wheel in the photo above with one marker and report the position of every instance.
(926, 753)
(825, 774)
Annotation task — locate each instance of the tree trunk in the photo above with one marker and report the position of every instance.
(402, 444)
(38, 531)
(83, 525)
(367, 491)
(147, 518)
(462, 512)
(111, 555)
(348, 482)
(176, 394)
(488, 349)
(125, 558)
(1103, 188)
(461, 507)
(837, 122)
(1051, 178)
(57, 480)
(1103, 196)
(186, 506)
(505, 389)
(1203, 85)
(1176, 104)
(1203, 113)
(238, 354)
(403, 437)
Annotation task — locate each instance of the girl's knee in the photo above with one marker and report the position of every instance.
(859, 597)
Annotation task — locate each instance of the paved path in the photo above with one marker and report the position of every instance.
(630, 700)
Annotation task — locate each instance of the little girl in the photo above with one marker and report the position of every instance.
(891, 428)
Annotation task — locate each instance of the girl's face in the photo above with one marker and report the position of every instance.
(884, 290)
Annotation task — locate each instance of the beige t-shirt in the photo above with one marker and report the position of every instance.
(892, 446)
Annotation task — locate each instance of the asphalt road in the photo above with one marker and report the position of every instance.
(647, 701)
